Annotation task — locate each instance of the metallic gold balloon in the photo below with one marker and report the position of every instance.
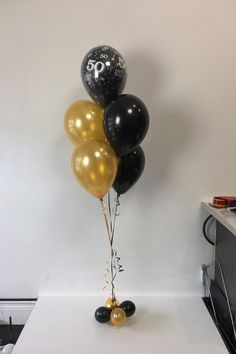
(112, 304)
(94, 165)
(118, 317)
(84, 121)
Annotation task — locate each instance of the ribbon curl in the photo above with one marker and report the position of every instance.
(115, 265)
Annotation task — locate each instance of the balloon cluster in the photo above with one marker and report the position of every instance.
(106, 133)
(115, 312)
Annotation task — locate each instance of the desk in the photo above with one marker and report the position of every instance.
(225, 217)
(161, 325)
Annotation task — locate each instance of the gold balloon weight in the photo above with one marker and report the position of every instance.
(118, 317)
(112, 303)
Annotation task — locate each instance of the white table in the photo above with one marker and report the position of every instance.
(225, 217)
(164, 325)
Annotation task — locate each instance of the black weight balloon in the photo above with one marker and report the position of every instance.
(130, 169)
(103, 73)
(129, 307)
(126, 121)
(102, 314)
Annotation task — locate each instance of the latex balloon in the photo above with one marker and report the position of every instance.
(103, 73)
(102, 314)
(94, 165)
(129, 307)
(126, 122)
(112, 303)
(118, 317)
(84, 121)
(130, 169)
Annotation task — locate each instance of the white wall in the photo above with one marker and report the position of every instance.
(181, 61)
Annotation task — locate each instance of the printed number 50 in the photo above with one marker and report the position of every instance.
(98, 67)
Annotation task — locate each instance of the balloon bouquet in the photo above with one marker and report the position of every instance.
(107, 135)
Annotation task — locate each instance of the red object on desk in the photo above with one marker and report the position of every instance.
(222, 202)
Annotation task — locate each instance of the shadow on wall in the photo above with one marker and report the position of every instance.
(171, 123)
(173, 129)
(144, 76)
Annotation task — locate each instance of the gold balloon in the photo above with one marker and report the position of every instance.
(118, 317)
(84, 121)
(94, 165)
(112, 303)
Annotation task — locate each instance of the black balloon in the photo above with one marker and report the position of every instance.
(129, 307)
(126, 121)
(130, 169)
(102, 314)
(103, 73)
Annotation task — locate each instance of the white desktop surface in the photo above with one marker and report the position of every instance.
(224, 216)
(161, 325)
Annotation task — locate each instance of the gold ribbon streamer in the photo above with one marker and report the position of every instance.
(106, 276)
(118, 264)
(111, 271)
(115, 265)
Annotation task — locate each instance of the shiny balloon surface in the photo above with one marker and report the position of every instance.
(84, 121)
(103, 73)
(130, 169)
(95, 165)
(129, 307)
(102, 314)
(126, 122)
(118, 317)
(112, 303)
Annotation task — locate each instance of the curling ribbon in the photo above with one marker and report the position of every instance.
(106, 276)
(111, 249)
(119, 265)
(115, 214)
(115, 265)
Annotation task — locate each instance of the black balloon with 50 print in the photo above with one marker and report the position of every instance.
(130, 169)
(126, 122)
(103, 72)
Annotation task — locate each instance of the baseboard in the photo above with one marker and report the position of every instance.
(19, 310)
(121, 293)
